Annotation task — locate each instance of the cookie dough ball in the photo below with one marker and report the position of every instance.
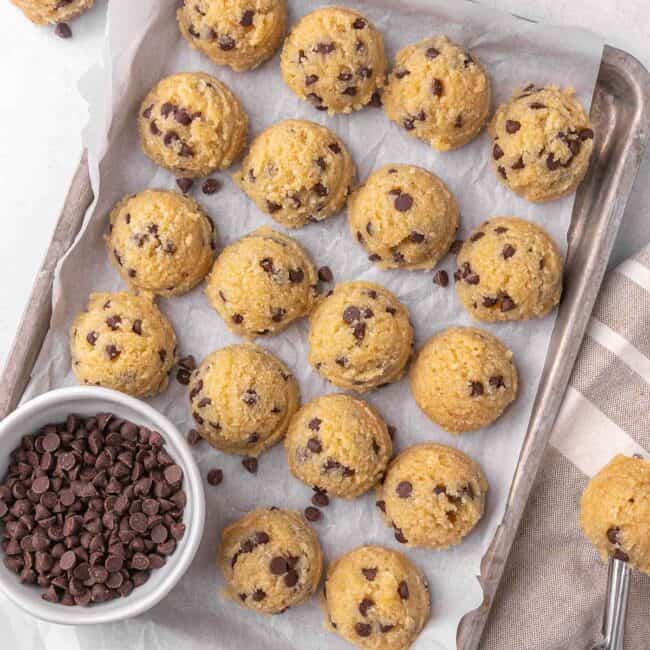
(238, 33)
(509, 269)
(615, 511)
(360, 336)
(404, 216)
(334, 58)
(298, 172)
(432, 496)
(463, 379)
(438, 92)
(124, 342)
(339, 445)
(192, 124)
(271, 560)
(542, 143)
(242, 399)
(43, 12)
(376, 598)
(262, 283)
(160, 241)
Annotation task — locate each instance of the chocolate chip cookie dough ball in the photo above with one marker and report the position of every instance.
(615, 511)
(298, 172)
(438, 92)
(161, 242)
(192, 124)
(376, 598)
(509, 269)
(339, 445)
(360, 336)
(334, 58)
(432, 496)
(239, 33)
(463, 379)
(242, 399)
(542, 143)
(124, 342)
(42, 12)
(271, 560)
(404, 216)
(262, 283)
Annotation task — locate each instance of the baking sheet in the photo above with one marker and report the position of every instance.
(143, 44)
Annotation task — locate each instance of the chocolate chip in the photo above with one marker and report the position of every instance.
(437, 88)
(365, 605)
(273, 207)
(512, 126)
(552, 163)
(185, 184)
(456, 247)
(432, 53)
(497, 152)
(153, 127)
(278, 566)
(351, 314)
(400, 73)
(325, 274)
(320, 189)
(536, 106)
(497, 381)
(502, 172)
(613, 535)
(312, 514)
(324, 48)
(211, 186)
(458, 124)
(226, 43)
(359, 331)
(296, 275)
(341, 361)
(350, 91)
(404, 490)
(359, 23)
(475, 388)
(403, 202)
(500, 230)
(386, 627)
(369, 574)
(247, 18)
(238, 319)
(586, 134)
(259, 595)
(249, 397)
(311, 79)
(250, 464)
(408, 123)
(507, 303)
(320, 499)
(620, 555)
(476, 236)
(92, 337)
(518, 164)
(403, 590)
(363, 629)
(314, 445)
(147, 112)
(112, 352)
(399, 536)
(508, 251)
(62, 30)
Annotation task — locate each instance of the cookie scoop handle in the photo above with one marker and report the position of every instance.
(618, 591)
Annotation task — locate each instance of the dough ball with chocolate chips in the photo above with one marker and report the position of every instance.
(376, 598)
(123, 341)
(615, 511)
(508, 269)
(262, 283)
(339, 445)
(463, 379)
(542, 143)
(271, 560)
(404, 216)
(298, 172)
(438, 92)
(360, 336)
(192, 124)
(334, 58)
(239, 33)
(242, 399)
(43, 12)
(432, 496)
(160, 242)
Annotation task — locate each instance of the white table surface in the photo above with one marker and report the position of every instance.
(41, 116)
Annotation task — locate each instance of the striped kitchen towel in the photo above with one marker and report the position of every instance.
(553, 589)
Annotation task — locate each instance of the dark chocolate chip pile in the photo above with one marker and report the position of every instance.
(89, 507)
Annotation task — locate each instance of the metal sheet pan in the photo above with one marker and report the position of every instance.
(621, 113)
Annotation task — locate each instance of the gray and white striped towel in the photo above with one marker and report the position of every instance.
(552, 593)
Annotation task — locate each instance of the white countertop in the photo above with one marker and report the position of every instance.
(41, 116)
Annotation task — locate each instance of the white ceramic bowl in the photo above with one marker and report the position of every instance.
(85, 401)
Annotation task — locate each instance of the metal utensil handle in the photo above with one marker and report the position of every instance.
(618, 592)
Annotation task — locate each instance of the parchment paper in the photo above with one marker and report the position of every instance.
(143, 44)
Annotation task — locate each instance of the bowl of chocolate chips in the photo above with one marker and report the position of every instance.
(101, 506)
